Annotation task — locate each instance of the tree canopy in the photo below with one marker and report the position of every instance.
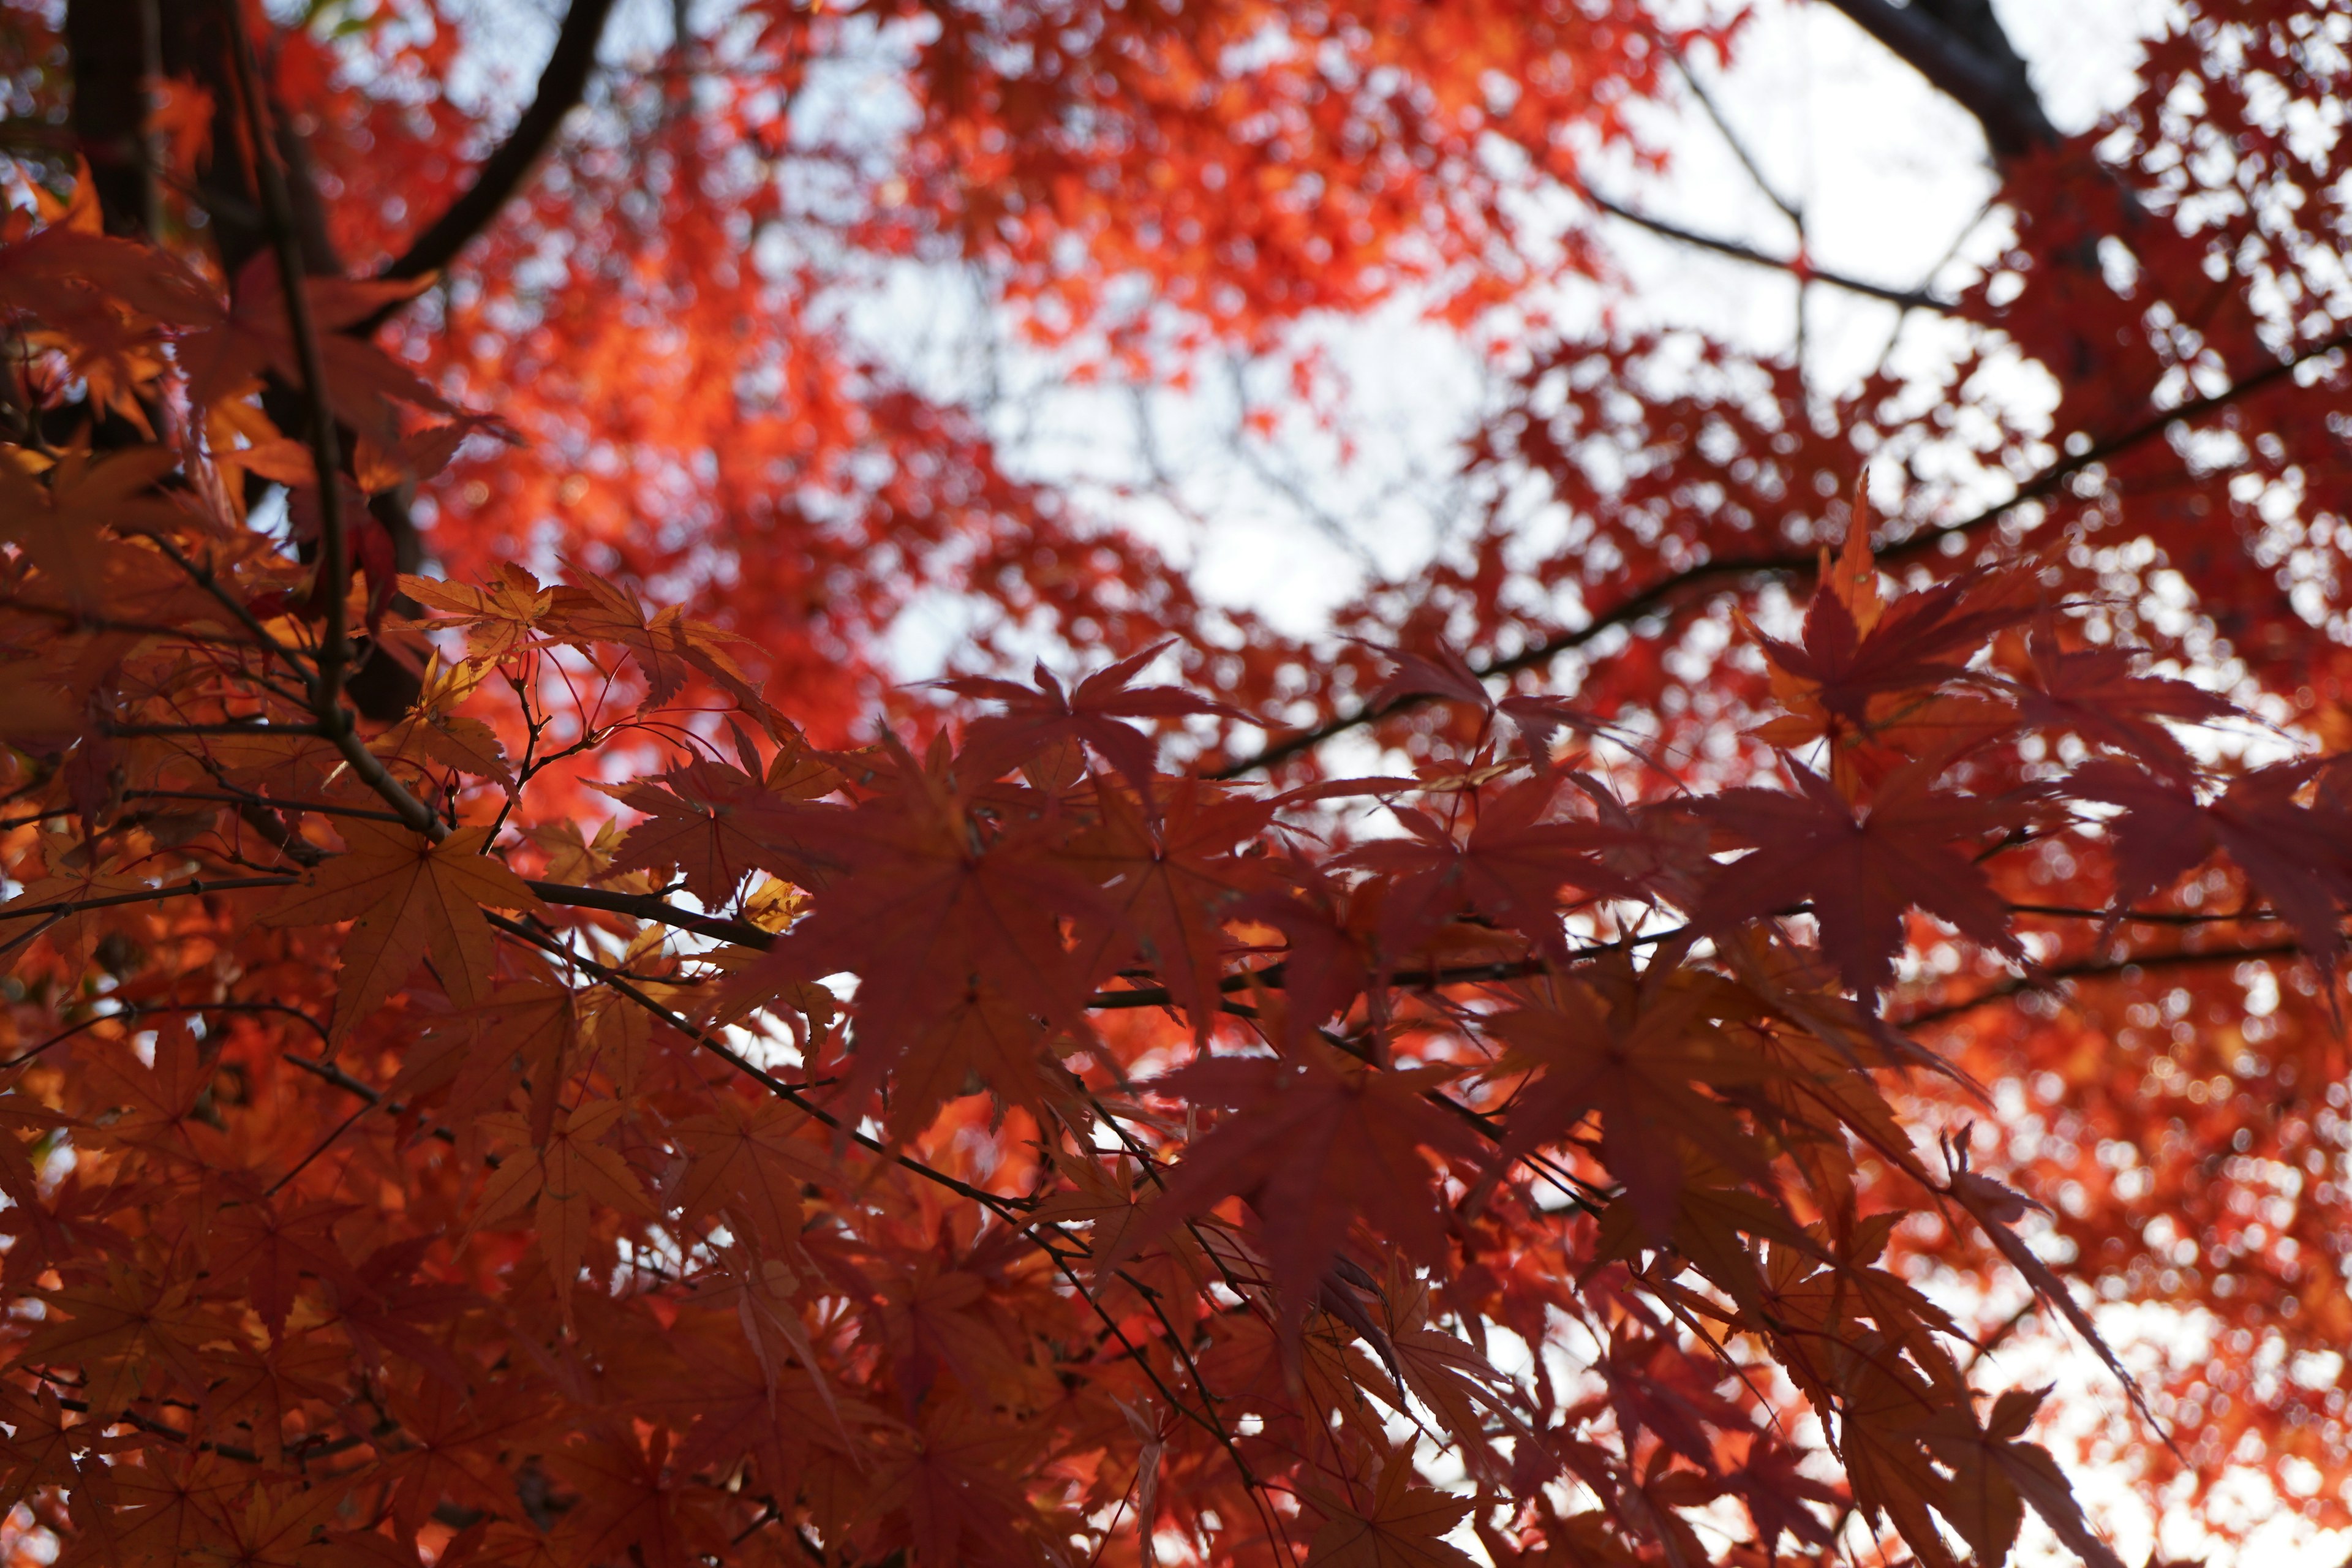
(525, 1042)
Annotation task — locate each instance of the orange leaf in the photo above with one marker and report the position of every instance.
(406, 898)
(1403, 1526)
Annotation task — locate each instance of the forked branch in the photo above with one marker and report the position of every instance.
(1908, 299)
(560, 87)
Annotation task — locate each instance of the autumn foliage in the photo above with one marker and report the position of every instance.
(523, 1045)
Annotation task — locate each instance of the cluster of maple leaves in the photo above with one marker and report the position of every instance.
(1003, 1150)
(623, 1106)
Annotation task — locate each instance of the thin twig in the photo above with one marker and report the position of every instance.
(322, 808)
(2044, 980)
(320, 1148)
(194, 887)
(648, 907)
(1908, 299)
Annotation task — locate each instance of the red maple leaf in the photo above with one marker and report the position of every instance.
(1860, 870)
(2092, 693)
(1315, 1143)
(231, 347)
(953, 925)
(1855, 648)
(1039, 719)
(1445, 674)
(1510, 868)
(2289, 851)
(716, 825)
(1637, 1060)
(1172, 881)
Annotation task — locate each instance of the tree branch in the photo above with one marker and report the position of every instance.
(194, 887)
(1909, 299)
(1663, 593)
(116, 49)
(2091, 969)
(561, 85)
(1960, 47)
(333, 656)
(648, 907)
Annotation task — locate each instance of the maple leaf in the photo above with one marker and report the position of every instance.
(69, 878)
(731, 1406)
(947, 1492)
(939, 1320)
(1657, 1386)
(1444, 673)
(47, 273)
(268, 1389)
(1884, 1402)
(1511, 868)
(1170, 880)
(1325, 966)
(572, 1170)
(979, 1041)
(954, 927)
(1040, 718)
(150, 1105)
(666, 644)
(482, 1054)
(228, 351)
(41, 1442)
(384, 1308)
(573, 857)
(298, 767)
(270, 1251)
(71, 527)
(169, 1508)
(1860, 870)
(405, 897)
(423, 453)
(1446, 1375)
(1857, 647)
(432, 733)
(1775, 1487)
(1441, 672)
(1994, 1474)
(500, 619)
(749, 1162)
(278, 1526)
(1996, 1208)
(1312, 1145)
(453, 1443)
(1636, 1060)
(716, 825)
(117, 1331)
(2092, 693)
(1104, 1199)
(634, 1505)
(2285, 849)
(1401, 1526)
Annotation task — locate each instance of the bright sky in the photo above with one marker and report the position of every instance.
(1889, 177)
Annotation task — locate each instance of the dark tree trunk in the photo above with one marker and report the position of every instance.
(117, 51)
